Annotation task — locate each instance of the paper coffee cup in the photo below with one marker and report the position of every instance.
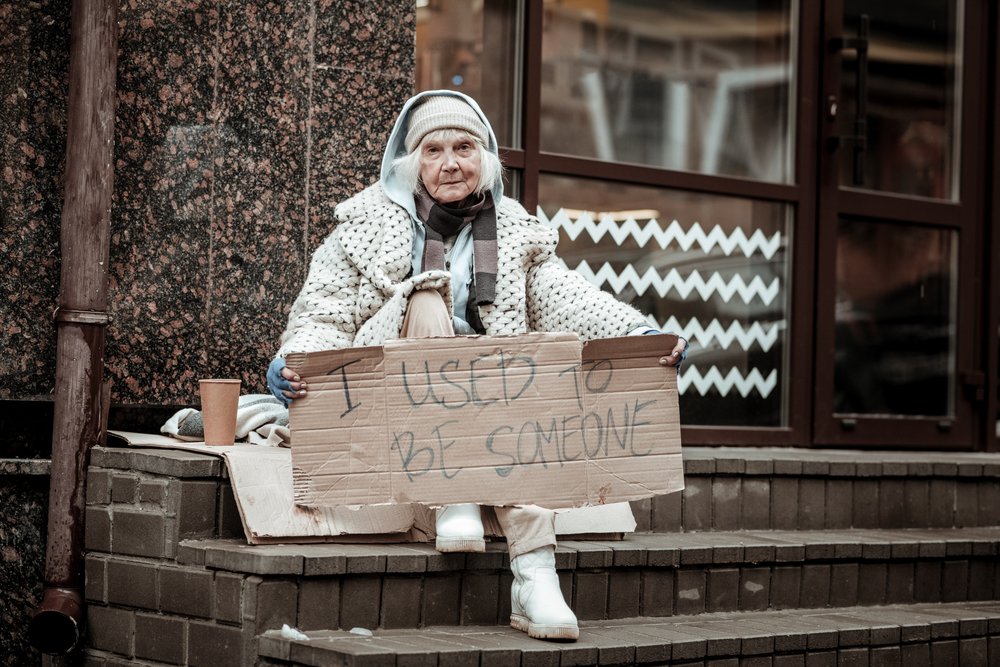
(219, 399)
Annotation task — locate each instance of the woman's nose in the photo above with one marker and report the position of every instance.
(450, 161)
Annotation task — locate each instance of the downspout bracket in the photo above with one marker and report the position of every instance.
(81, 316)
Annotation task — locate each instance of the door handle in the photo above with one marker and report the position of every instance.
(858, 140)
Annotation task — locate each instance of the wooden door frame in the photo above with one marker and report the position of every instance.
(991, 248)
(834, 201)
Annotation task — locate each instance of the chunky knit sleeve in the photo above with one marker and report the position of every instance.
(322, 317)
(534, 282)
(560, 299)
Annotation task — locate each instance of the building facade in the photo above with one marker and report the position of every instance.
(804, 190)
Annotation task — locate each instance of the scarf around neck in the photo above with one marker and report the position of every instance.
(442, 221)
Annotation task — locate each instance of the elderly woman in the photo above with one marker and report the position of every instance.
(435, 249)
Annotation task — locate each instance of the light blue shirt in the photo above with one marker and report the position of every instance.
(459, 262)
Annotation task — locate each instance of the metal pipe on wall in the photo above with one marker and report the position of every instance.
(81, 315)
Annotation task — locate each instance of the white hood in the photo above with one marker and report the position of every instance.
(396, 148)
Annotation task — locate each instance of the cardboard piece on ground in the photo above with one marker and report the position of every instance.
(606, 521)
(530, 419)
(261, 479)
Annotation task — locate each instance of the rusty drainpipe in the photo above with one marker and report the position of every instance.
(81, 316)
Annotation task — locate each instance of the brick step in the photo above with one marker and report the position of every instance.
(732, 488)
(413, 586)
(966, 634)
(635, 550)
(170, 579)
(142, 502)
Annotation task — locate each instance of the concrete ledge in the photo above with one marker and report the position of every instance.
(25, 467)
(169, 462)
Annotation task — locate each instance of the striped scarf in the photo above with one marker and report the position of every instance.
(443, 221)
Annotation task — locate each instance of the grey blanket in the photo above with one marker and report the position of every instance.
(261, 419)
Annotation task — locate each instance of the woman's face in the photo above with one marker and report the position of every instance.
(449, 167)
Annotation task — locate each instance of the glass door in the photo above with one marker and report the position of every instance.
(899, 210)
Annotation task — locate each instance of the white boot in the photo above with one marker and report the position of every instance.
(459, 528)
(536, 601)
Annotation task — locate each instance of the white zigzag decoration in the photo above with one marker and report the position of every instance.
(673, 233)
(745, 336)
(713, 378)
(683, 286)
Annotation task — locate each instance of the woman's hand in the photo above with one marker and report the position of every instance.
(284, 383)
(677, 355)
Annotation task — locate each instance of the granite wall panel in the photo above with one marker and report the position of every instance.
(349, 125)
(239, 125)
(259, 205)
(24, 494)
(34, 65)
(160, 248)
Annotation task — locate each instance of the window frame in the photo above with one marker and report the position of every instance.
(531, 162)
(964, 215)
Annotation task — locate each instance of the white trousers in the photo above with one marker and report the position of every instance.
(526, 527)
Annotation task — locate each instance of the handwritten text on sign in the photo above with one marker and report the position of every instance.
(533, 418)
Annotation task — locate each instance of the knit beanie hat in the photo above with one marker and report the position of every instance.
(443, 112)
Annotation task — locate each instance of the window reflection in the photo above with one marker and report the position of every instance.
(914, 70)
(473, 47)
(682, 84)
(895, 319)
(711, 268)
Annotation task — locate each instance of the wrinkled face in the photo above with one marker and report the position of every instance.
(450, 167)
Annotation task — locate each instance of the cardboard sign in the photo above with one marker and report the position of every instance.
(532, 419)
(261, 480)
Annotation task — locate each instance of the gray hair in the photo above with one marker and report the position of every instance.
(407, 168)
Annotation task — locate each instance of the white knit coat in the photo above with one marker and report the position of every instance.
(357, 288)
